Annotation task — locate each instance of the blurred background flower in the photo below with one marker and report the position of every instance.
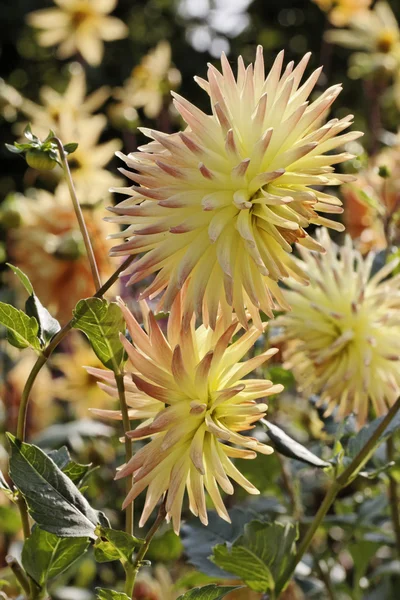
(78, 26)
(343, 332)
(149, 85)
(341, 12)
(47, 245)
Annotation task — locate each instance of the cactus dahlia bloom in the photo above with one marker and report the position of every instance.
(220, 204)
(343, 333)
(195, 377)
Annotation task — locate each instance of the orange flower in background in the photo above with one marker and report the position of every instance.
(49, 248)
(343, 333)
(219, 205)
(342, 11)
(372, 203)
(78, 26)
(204, 401)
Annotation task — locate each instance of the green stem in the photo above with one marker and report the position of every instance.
(119, 378)
(344, 479)
(40, 362)
(79, 214)
(25, 396)
(393, 495)
(145, 546)
(19, 573)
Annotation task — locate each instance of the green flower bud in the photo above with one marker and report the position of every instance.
(40, 160)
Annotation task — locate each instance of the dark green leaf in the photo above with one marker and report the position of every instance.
(73, 433)
(70, 148)
(75, 471)
(104, 594)
(61, 457)
(287, 446)
(208, 592)
(198, 540)
(23, 329)
(24, 279)
(259, 556)
(54, 502)
(358, 441)
(113, 544)
(45, 555)
(102, 322)
(48, 325)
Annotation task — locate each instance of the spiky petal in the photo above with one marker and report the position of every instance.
(204, 402)
(220, 205)
(343, 333)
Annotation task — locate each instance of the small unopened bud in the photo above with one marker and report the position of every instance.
(40, 160)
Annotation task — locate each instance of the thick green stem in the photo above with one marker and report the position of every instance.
(25, 396)
(393, 496)
(129, 514)
(79, 215)
(147, 541)
(344, 479)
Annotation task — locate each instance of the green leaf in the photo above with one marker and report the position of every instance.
(54, 502)
(48, 325)
(75, 471)
(24, 279)
(198, 540)
(23, 330)
(28, 133)
(70, 148)
(102, 322)
(104, 594)
(113, 544)
(44, 555)
(287, 446)
(259, 556)
(13, 149)
(208, 592)
(357, 442)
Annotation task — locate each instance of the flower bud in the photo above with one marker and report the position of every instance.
(40, 160)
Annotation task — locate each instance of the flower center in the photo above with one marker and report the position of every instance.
(385, 41)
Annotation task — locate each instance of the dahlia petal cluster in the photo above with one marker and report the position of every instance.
(219, 205)
(196, 400)
(342, 335)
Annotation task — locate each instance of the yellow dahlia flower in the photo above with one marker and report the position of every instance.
(220, 204)
(63, 111)
(149, 83)
(78, 26)
(343, 333)
(48, 247)
(204, 401)
(342, 11)
(375, 34)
